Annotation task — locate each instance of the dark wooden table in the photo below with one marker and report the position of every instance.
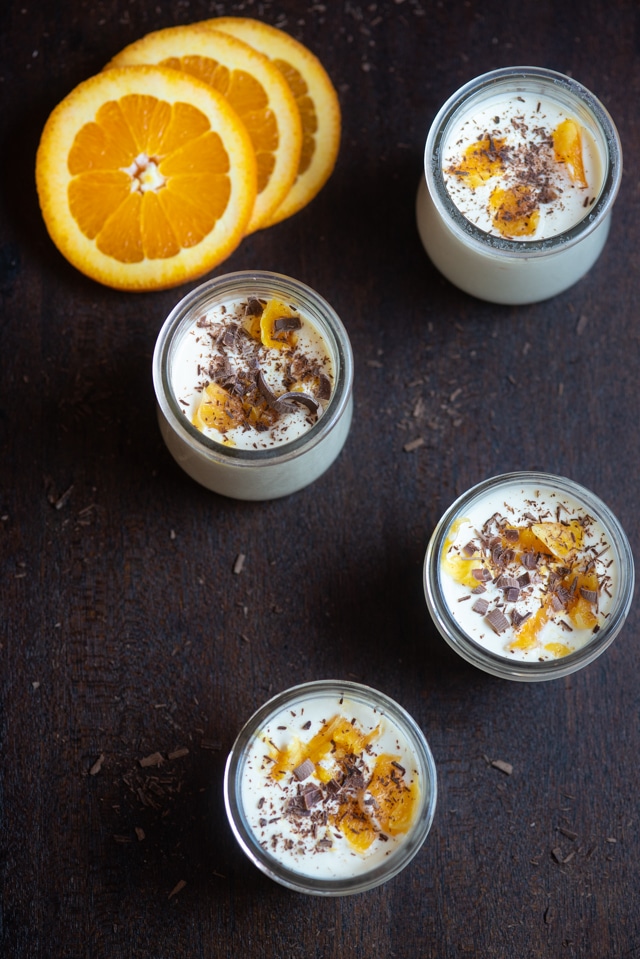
(125, 630)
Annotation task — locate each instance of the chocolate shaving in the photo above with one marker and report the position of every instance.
(480, 606)
(498, 621)
(589, 594)
(507, 582)
(286, 402)
(286, 323)
(253, 307)
(304, 770)
(324, 388)
(311, 796)
(518, 618)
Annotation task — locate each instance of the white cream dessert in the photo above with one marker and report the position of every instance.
(330, 787)
(252, 373)
(522, 166)
(527, 573)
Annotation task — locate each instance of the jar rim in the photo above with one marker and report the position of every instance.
(247, 283)
(562, 86)
(494, 663)
(423, 818)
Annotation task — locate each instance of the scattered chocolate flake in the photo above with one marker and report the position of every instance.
(498, 621)
(481, 574)
(504, 767)
(253, 307)
(590, 595)
(287, 323)
(581, 325)
(312, 795)
(140, 833)
(179, 886)
(569, 833)
(413, 445)
(58, 500)
(178, 753)
(286, 401)
(154, 759)
(97, 766)
(518, 618)
(480, 606)
(507, 582)
(304, 770)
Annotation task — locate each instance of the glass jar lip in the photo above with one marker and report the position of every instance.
(522, 249)
(501, 666)
(405, 852)
(254, 282)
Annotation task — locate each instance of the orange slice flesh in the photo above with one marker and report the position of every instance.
(482, 160)
(337, 736)
(567, 145)
(217, 409)
(146, 178)
(515, 211)
(253, 87)
(315, 96)
(559, 539)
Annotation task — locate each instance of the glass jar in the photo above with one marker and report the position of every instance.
(570, 569)
(282, 805)
(500, 268)
(285, 466)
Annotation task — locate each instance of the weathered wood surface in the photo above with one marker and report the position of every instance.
(125, 630)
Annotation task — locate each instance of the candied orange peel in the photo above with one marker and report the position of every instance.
(567, 146)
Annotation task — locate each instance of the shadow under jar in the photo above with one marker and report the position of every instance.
(253, 375)
(522, 167)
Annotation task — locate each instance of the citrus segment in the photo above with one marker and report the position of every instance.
(253, 87)
(146, 178)
(315, 97)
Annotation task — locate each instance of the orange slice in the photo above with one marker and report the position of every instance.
(146, 178)
(559, 539)
(252, 86)
(317, 102)
(567, 145)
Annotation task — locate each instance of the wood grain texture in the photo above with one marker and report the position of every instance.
(126, 632)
